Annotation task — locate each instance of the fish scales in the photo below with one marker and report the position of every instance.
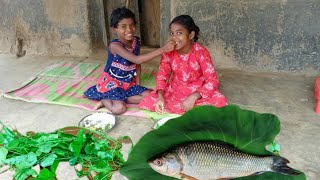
(215, 160)
(205, 160)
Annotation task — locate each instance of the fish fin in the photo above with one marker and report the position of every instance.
(257, 173)
(280, 165)
(186, 177)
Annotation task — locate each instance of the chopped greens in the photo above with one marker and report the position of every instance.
(94, 151)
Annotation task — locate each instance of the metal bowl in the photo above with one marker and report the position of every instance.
(101, 122)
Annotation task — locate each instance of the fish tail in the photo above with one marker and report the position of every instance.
(280, 165)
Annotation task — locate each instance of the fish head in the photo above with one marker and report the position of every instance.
(168, 164)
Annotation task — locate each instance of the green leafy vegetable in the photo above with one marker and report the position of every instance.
(48, 161)
(93, 150)
(23, 161)
(3, 154)
(248, 131)
(22, 174)
(46, 174)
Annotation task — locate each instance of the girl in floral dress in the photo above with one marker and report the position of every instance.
(119, 82)
(186, 76)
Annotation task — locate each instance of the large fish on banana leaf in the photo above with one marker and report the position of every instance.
(215, 160)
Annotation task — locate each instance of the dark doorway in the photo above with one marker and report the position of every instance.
(149, 16)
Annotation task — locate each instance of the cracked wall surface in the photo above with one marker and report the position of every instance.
(44, 27)
(260, 35)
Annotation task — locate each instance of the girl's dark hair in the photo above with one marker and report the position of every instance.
(119, 14)
(188, 23)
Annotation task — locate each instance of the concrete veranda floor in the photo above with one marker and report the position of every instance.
(289, 97)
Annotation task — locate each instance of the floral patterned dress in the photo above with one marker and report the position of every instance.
(117, 81)
(179, 76)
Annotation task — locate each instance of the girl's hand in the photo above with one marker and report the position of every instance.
(159, 106)
(138, 81)
(138, 72)
(190, 101)
(169, 46)
(188, 104)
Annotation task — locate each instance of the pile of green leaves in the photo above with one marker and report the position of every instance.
(248, 131)
(95, 152)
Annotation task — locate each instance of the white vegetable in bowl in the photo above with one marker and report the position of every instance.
(98, 121)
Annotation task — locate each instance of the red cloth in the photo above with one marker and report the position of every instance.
(317, 94)
(181, 75)
(317, 89)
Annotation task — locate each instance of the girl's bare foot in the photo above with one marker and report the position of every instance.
(98, 106)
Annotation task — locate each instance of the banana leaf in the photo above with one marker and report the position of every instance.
(248, 131)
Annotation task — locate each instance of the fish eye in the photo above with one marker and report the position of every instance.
(158, 162)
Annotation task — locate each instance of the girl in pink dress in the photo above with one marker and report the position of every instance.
(186, 76)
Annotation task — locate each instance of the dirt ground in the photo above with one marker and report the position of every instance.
(287, 96)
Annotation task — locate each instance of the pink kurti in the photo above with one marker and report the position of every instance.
(181, 75)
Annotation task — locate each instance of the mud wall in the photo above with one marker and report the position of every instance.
(46, 27)
(97, 24)
(260, 35)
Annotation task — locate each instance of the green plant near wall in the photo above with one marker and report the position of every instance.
(95, 152)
